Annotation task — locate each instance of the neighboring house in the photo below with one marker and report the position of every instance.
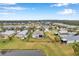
(6, 35)
(38, 34)
(22, 34)
(60, 25)
(12, 27)
(63, 32)
(27, 27)
(72, 28)
(71, 38)
(41, 28)
(68, 37)
(9, 27)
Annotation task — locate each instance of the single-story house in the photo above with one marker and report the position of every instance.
(41, 28)
(63, 33)
(63, 30)
(6, 35)
(22, 34)
(70, 39)
(38, 34)
(9, 27)
(12, 27)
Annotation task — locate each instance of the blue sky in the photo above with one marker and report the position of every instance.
(39, 11)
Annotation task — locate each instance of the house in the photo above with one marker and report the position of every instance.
(7, 35)
(71, 39)
(41, 28)
(38, 34)
(9, 27)
(12, 27)
(63, 32)
(68, 37)
(22, 34)
(61, 25)
(27, 27)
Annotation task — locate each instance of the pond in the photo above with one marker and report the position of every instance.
(21, 53)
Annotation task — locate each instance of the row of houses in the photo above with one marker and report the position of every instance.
(6, 35)
(66, 32)
(68, 36)
(12, 27)
(63, 30)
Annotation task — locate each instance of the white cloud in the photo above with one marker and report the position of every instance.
(5, 13)
(17, 8)
(67, 12)
(7, 3)
(6, 7)
(14, 8)
(61, 4)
